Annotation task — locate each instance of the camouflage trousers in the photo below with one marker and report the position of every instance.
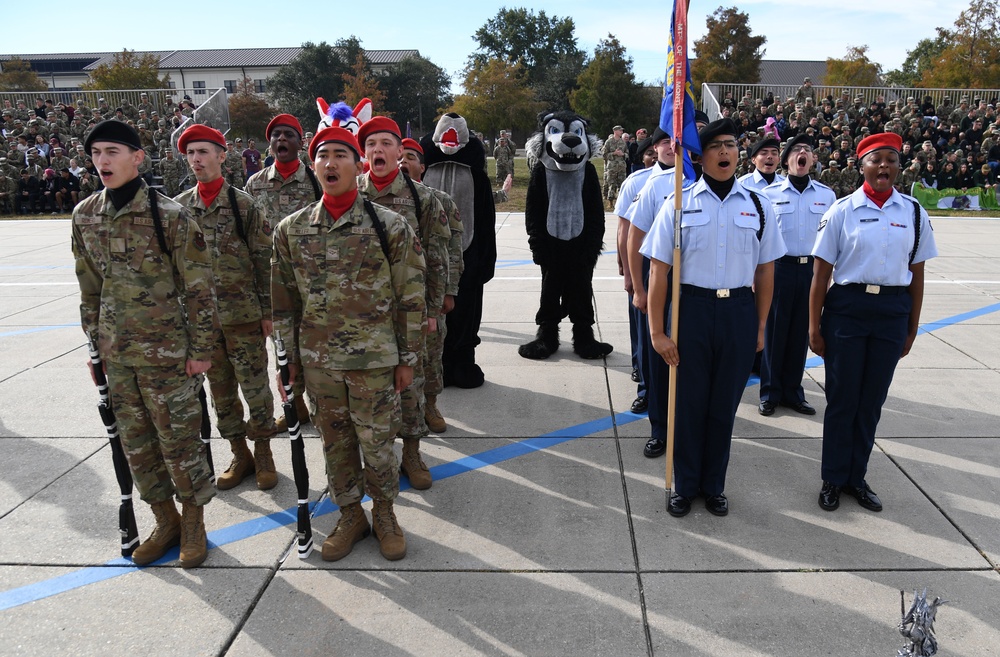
(159, 420)
(614, 176)
(239, 363)
(413, 401)
(357, 413)
(172, 186)
(434, 352)
(504, 169)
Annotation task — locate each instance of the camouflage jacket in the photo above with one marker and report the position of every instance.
(145, 306)
(335, 300)
(431, 227)
(171, 169)
(610, 146)
(281, 197)
(242, 269)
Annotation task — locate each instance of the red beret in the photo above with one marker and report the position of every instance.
(413, 145)
(199, 132)
(334, 134)
(283, 119)
(377, 124)
(881, 140)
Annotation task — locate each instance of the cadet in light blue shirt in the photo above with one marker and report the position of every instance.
(764, 155)
(873, 244)
(799, 203)
(729, 242)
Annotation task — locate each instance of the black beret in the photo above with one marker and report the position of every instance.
(801, 138)
(113, 131)
(644, 145)
(658, 136)
(700, 117)
(768, 142)
(716, 128)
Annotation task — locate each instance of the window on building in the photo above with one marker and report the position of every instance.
(171, 84)
(199, 88)
(259, 86)
(230, 86)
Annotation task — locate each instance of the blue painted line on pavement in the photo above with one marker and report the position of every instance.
(38, 329)
(240, 531)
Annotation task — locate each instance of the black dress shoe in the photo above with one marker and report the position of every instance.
(635, 375)
(639, 405)
(766, 408)
(865, 496)
(803, 407)
(717, 505)
(654, 447)
(678, 506)
(829, 497)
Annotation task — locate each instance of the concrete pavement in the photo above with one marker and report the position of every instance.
(545, 532)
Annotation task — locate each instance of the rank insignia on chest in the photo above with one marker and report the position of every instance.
(332, 253)
(199, 241)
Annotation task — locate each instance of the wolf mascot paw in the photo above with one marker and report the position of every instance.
(564, 217)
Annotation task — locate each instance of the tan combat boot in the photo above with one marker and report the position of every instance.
(351, 528)
(194, 541)
(267, 477)
(241, 467)
(391, 542)
(166, 534)
(432, 416)
(413, 466)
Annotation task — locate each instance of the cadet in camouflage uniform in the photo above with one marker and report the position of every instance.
(614, 152)
(235, 167)
(412, 163)
(830, 176)
(354, 324)
(148, 298)
(281, 189)
(8, 189)
(385, 185)
(504, 159)
(171, 170)
(144, 104)
(304, 153)
(59, 161)
(239, 239)
(87, 184)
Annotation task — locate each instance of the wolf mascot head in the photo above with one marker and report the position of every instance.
(341, 115)
(563, 142)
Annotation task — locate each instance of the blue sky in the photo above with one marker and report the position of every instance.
(794, 29)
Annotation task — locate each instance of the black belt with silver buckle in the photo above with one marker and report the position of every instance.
(725, 293)
(795, 260)
(877, 289)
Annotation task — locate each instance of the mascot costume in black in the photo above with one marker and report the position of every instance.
(456, 164)
(564, 217)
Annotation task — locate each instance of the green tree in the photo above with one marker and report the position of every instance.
(496, 97)
(854, 70)
(316, 72)
(128, 70)
(416, 91)
(729, 52)
(972, 58)
(18, 75)
(360, 83)
(918, 60)
(249, 113)
(518, 35)
(556, 84)
(607, 92)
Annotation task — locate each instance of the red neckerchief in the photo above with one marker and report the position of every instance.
(382, 183)
(878, 198)
(210, 190)
(338, 205)
(287, 169)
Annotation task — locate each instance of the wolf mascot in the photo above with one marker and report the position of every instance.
(456, 164)
(564, 217)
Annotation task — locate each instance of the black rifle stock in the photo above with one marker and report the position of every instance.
(126, 513)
